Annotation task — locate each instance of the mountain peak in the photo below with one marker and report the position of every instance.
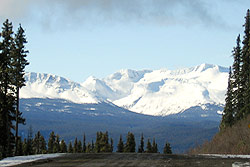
(128, 74)
(204, 67)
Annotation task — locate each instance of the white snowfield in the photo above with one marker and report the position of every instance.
(159, 92)
(11, 161)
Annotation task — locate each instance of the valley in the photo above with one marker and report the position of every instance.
(70, 120)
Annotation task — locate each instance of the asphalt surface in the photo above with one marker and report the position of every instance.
(135, 160)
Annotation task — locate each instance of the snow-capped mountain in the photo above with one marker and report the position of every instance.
(159, 92)
(51, 86)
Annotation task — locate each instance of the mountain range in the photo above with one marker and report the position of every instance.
(181, 106)
(152, 92)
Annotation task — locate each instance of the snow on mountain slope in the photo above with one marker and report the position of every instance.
(158, 92)
(122, 82)
(51, 86)
(164, 92)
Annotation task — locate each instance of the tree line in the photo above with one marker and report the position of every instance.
(102, 144)
(12, 64)
(237, 105)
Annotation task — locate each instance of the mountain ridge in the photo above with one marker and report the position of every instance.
(152, 92)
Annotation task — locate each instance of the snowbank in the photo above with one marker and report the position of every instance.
(11, 161)
(227, 156)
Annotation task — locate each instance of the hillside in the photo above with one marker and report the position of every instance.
(232, 140)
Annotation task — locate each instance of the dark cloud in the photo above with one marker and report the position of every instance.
(70, 12)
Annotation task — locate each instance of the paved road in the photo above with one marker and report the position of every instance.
(134, 160)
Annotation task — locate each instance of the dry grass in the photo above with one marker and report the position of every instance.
(232, 140)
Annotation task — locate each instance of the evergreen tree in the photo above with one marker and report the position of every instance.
(56, 147)
(245, 77)
(18, 64)
(111, 145)
(141, 147)
(167, 149)
(24, 144)
(106, 147)
(63, 146)
(84, 144)
(7, 111)
(51, 142)
(20, 147)
(102, 142)
(28, 150)
(227, 118)
(92, 146)
(97, 143)
(79, 146)
(75, 148)
(130, 144)
(149, 147)
(36, 144)
(70, 148)
(89, 148)
(43, 145)
(237, 93)
(120, 146)
(154, 147)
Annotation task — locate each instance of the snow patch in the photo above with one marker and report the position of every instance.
(227, 156)
(11, 161)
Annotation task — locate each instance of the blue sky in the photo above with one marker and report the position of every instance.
(79, 38)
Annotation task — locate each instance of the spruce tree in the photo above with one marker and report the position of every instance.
(29, 148)
(37, 145)
(130, 144)
(246, 68)
(18, 64)
(97, 143)
(63, 146)
(89, 148)
(92, 146)
(228, 118)
(7, 110)
(84, 144)
(149, 147)
(141, 147)
(43, 145)
(70, 148)
(79, 146)
(51, 142)
(120, 146)
(111, 145)
(56, 147)
(167, 148)
(20, 147)
(75, 147)
(25, 152)
(237, 93)
(154, 147)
